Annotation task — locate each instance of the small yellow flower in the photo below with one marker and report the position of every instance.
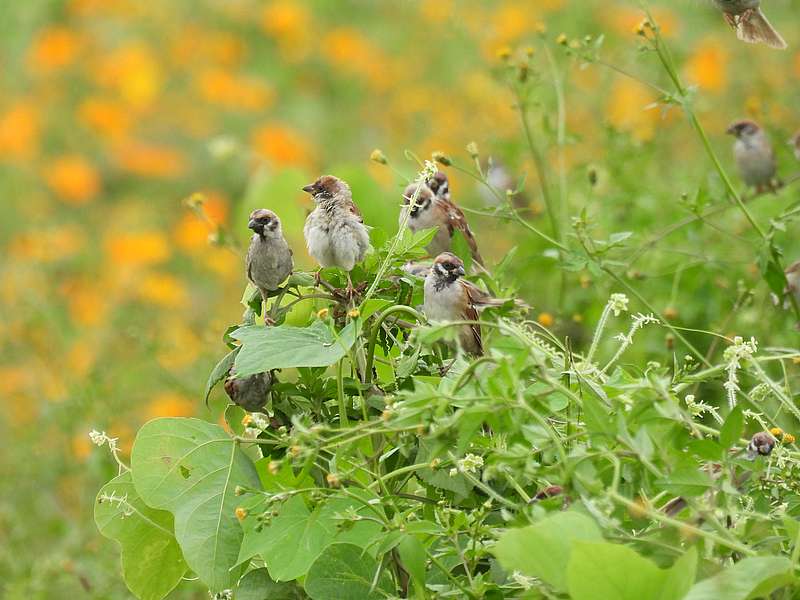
(472, 150)
(323, 313)
(530, 51)
(776, 431)
(333, 480)
(545, 319)
(788, 438)
(562, 39)
(670, 313)
(241, 513)
(504, 53)
(386, 415)
(796, 360)
(353, 313)
(576, 318)
(274, 467)
(435, 463)
(295, 450)
(378, 156)
(246, 420)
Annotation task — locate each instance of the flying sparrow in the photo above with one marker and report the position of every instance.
(432, 209)
(249, 392)
(269, 258)
(751, 26)
(335, 232)
(449, 297)
(754, 155)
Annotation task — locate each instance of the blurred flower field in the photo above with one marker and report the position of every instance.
(115, 290)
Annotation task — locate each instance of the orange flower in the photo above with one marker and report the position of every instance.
(73, 179)
(53, 48)
(626, 109)
(285, 18)
(281, 145)
(218, 86)
(169, 404)
(52, 244)
(19, 131)
(87, 303)
(191, 232)
(707, 66)
(106, 117)
(163, 290)
(147, 160)
(134, 71)
(137, 249)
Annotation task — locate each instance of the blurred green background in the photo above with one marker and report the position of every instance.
(113, 300)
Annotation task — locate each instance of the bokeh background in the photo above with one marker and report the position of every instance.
(114, 293)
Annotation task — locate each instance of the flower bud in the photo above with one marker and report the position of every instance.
(379, 157)
(442, 158)
(472, 149)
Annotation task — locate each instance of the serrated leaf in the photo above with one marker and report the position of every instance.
(191, 468)
(152, 563)
(754, 577)
(267, 348)
(731, 430)
(346, 572)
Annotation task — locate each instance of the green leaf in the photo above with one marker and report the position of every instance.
(543, 549)
(731, 430)
(152, 563)
(686, 480)
(297, 536)
(346, 572)
(616, 572)
(257, 585)
(284, 347)
(439, 478)
(220, 372)
(754, 577)
(191, 468)
(413, 555)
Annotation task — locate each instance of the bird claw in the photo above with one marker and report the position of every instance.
(269, 321)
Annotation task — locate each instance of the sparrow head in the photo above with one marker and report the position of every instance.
(326, 188)
(743, 129)
(439, 185)
(793, 269)
(761, 444)
(424, 197)
(447, 267)
(263, 221)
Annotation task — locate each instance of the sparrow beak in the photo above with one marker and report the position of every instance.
(731, 130)
(251, 225)
(460, 271)
(309, 189)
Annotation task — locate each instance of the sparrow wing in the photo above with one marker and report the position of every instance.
(456, 221)
(480, 299)
(470, 313)
(353, 209)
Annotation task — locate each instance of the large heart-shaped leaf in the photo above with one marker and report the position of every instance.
(543, 549)
(347, 572)
(257, 585)
(191, 468)
(284, 347)
(152, 563)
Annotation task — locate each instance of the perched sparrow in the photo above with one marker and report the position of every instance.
(335, 232)
(448, 297)
(751, 26)
(249, 392)
(761, 444)
(269, 258)
(754, 155)
(432, 210)
(499, 177)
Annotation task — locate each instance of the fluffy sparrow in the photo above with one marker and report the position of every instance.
(793, 281)
(249, 392)
(754, 155)
(751, 26)
(269, 258)
(449, 297)
(433, 209)
(335, 232)
(500, 178)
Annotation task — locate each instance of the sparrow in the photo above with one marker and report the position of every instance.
(751, 26)
(249, 392)
(432, 209)
(754, 156)
(449, 297)
(793, 282)
(500, 178)
(335, 232)
(269, 258)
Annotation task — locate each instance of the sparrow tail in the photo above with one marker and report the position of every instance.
(755, 28)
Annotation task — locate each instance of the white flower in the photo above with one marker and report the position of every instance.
(618, 303)
(470, 463)
(97, 438)
(733, 355)
(428, 171)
